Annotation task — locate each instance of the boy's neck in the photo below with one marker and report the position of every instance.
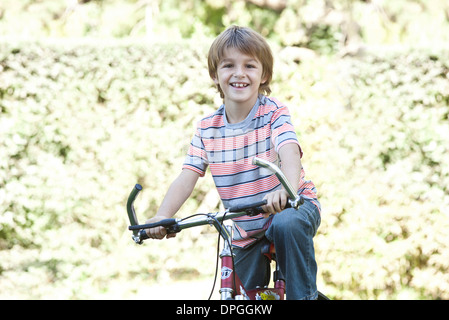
(238, 111)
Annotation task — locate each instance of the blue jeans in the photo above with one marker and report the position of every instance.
(292, 232)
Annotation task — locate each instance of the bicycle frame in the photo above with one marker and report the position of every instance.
(231, 286)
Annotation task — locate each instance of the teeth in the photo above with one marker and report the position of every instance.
(239, 85)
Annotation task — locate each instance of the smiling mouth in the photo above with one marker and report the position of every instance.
(239, 85)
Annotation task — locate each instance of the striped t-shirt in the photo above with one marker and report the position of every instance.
(227, 149)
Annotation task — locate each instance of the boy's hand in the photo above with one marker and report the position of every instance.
(276, 202)
(159, 232)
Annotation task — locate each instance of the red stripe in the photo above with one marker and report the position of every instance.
(233, 167)
(236, 142)
(215, 121)
(248, 189)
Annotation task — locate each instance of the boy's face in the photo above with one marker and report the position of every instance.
(239, 76)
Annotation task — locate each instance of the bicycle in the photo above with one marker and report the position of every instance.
(231, 287)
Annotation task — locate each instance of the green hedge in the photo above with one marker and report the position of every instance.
(81, 123)
(388, 188)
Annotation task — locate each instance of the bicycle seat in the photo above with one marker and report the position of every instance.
(268, 249)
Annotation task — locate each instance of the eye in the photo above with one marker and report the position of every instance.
(228, 65)
(250, 66)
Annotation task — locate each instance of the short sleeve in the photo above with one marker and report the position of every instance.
(196, 158)
(282, 130)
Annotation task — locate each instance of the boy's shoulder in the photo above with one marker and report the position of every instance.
(271, 103)
(271, 107)
(214, 119)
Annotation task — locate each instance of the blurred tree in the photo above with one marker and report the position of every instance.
(323, 25)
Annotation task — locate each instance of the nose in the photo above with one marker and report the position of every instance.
(239, 72)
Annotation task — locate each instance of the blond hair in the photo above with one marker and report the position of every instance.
(248, 42)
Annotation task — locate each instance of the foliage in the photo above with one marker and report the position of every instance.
(389, 212)
(81, 123)
(325, 26)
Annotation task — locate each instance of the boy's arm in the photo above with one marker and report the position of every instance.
(180, 189)
(291, 166)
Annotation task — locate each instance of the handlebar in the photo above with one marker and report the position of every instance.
(176, 225)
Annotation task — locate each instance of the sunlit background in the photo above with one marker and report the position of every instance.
(98, 95)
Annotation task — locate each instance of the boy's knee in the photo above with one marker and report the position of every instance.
(298, 223)
(306, 217)
(290, 220)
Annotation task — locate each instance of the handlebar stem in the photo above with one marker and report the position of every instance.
(226, 252)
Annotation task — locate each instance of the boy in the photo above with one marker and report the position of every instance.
(250, 124)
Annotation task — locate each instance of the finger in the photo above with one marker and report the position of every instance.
(280, 201)
(156, 233)
(162, 232)
(266, 213)
(277, 204)
(284, 200)
(270, 207)
(171, 235)
(149, 233)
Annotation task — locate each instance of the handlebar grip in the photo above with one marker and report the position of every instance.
(139, 230)
(256, 207)
(163, 223)
(143, 235)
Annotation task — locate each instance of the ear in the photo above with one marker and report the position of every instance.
(264, 80)
(215, 79)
